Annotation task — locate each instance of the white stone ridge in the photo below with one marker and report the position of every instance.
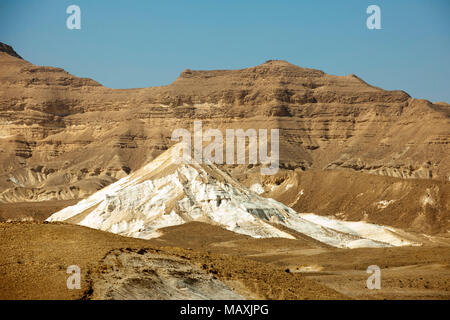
(166, 193)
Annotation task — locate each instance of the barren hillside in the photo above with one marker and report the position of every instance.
(64, 137)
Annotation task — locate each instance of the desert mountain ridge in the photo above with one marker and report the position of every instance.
(63, 137)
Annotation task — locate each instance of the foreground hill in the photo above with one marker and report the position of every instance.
(34, 258)
(193, 258)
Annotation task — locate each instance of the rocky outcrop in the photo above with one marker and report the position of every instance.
(169, 191)
(417, 205)
(65, 137)
(8, 50)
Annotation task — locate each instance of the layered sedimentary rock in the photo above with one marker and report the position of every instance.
(420, 205)
(64, 137)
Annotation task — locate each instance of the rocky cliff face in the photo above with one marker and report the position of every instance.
(64, 137)
(168, 192)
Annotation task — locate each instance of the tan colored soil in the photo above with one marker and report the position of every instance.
(34, 258)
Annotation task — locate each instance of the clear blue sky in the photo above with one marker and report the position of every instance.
(125, 44)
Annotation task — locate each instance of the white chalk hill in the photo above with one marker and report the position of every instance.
(168, 192)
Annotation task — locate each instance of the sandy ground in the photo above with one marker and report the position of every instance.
(406, 272)
(34, 258)
(31, 211)
(197, 260)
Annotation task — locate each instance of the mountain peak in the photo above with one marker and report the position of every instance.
(277, 62)
(271, 68)
(9, 50)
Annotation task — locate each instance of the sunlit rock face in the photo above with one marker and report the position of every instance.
(65, 137)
